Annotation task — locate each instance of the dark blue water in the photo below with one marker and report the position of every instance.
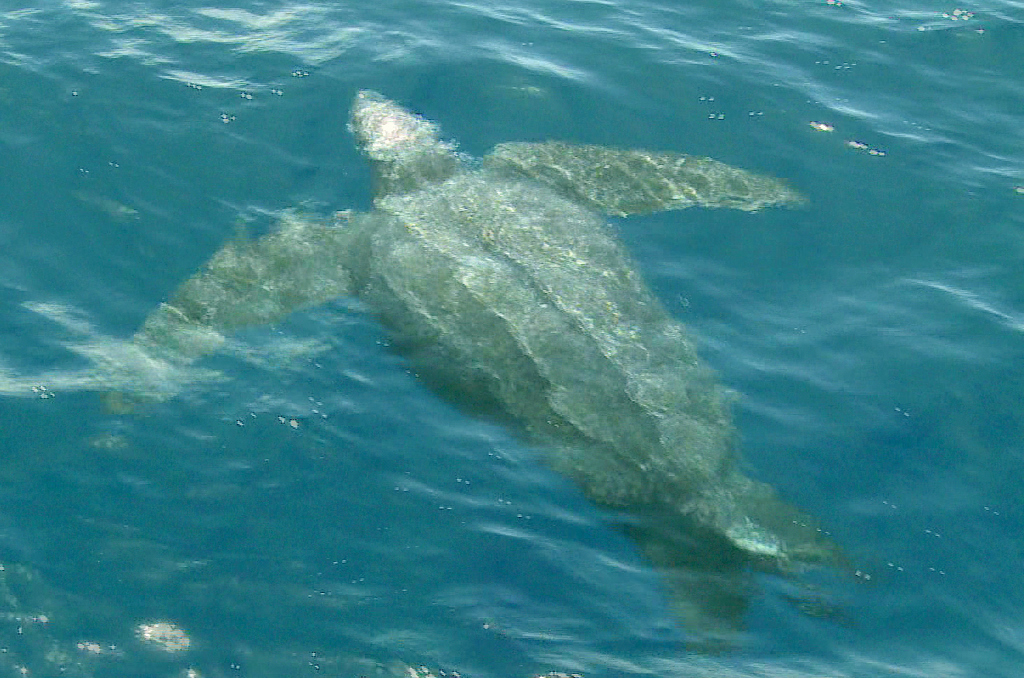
(318, 511)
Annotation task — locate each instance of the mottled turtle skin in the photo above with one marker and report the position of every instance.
(506, 288)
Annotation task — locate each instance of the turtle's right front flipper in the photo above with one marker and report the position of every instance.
(621, 182)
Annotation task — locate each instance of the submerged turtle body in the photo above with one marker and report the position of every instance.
(505, 278)
(530, 298)
(501, 281)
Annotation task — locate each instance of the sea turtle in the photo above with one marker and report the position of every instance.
(500, 282)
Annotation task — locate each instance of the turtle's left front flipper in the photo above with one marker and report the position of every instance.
(623, 182)
(300, 264)
(246, 283)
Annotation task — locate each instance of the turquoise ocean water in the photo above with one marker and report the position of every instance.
(318, 511)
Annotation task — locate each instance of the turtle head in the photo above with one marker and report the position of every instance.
(406, 149)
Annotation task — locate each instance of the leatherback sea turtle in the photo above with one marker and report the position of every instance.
(500, 282)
